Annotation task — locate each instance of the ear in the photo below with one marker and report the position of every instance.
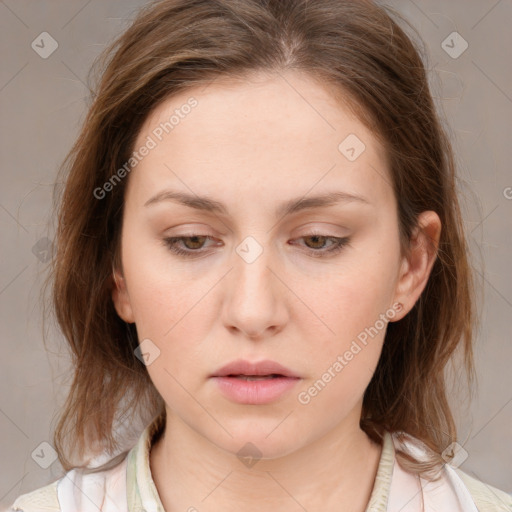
(418, 262)
(120, 297)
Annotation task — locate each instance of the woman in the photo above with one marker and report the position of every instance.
(260, 250)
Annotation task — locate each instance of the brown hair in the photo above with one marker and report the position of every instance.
(359, 51)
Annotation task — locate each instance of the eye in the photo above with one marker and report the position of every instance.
(316, 246)
(193, 244)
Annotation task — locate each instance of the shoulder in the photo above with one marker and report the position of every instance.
(78, 489)
(486, 497)
(43, 499)
(452, 489)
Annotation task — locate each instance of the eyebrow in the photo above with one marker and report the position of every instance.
(286, 208)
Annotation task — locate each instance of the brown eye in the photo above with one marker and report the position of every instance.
(316, 244)
(193, 244)
(196, 241)
(318, 241)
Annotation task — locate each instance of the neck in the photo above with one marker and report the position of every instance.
(334, 472)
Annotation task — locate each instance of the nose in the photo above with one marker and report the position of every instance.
(254, 298)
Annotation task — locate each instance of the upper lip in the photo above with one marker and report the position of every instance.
(243, 367)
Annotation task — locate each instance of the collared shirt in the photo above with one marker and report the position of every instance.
(129, 487)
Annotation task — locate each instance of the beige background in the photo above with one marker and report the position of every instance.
(42, 102)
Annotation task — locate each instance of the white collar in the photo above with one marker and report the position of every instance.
(394, 489)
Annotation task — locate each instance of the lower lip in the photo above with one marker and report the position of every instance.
(255, 392)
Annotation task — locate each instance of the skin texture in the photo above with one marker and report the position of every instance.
(251, 145)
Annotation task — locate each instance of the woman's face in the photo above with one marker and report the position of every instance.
(272, 271)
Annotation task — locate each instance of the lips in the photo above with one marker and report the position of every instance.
(254, 370)
(257, 383)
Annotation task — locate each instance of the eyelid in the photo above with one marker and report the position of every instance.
(339, 244)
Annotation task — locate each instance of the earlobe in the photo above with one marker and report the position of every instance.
(120, 297)
(417, 264)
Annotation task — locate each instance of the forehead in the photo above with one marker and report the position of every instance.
(264, 135)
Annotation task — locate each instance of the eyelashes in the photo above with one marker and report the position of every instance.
(172, 244)
(337, 245)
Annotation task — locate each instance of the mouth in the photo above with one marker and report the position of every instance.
(257, 377)
(260, 370)
(257, 383)
(255, 389)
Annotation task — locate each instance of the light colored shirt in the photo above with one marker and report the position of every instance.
(129, 487)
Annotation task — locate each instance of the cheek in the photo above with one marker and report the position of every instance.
(166, 301)
(352, 297)
(340, 385)
(354, 315)
(354, 306)
(174, 317)
(167, 311)
(353, 326)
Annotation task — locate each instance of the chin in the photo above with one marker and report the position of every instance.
(260, 441)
